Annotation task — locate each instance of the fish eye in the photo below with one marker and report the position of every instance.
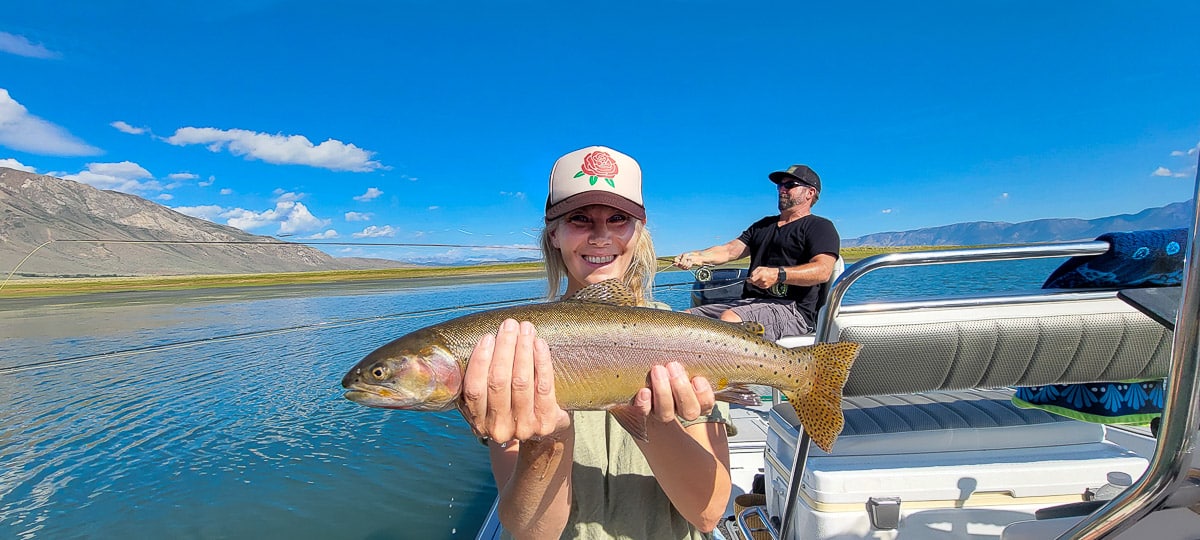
(379, 371)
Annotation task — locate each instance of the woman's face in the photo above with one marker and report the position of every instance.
(595, 242)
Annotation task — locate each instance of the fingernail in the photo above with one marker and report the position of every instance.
(676, 369)
(526, 328)
(508, 325)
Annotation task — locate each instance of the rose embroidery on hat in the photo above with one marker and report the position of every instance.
(597, 165)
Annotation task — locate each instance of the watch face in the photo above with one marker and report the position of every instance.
(779, 289)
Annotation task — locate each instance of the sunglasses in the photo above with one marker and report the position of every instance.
(791, 184)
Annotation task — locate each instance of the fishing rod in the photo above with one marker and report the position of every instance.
(323, 325)
(260, 333)
(702, 273)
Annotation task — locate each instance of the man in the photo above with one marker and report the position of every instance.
(792, 257)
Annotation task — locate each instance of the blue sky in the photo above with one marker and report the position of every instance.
(437, 122)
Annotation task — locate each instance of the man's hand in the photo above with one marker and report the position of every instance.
(687, 259)
(764, 277)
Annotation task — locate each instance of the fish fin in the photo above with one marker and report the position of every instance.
(755, 328)
(609, 291)
(631, 419)
(820, 410)
(739, 394)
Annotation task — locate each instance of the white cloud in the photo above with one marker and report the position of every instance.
(22, 131)
(886, 211)
(182, 176)
(126, 177)
(514, 194)
(279, 149)
(210, 212)
(292, 217)
(21, 46)
(359, 216)
(281, 195)
(1162, 171)
(376, 232)
(371, 194)
(14, 164)
(165, 197)
(323, 235)
(126, 128)
(206, 183)
(431, 208)
(226, 191)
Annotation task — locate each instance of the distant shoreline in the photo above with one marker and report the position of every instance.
(29, 288)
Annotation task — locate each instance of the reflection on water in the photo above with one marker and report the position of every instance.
(249, 437)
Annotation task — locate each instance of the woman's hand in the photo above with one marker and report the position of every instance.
(508, 386)
(669, 393)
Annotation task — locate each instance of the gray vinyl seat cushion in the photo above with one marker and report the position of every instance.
(1050, 340)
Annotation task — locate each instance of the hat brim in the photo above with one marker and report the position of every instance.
(589, 198)
(780, 176)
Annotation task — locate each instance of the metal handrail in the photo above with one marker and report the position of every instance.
(951, 256)
(865, 266)
(1177, 435)
(761, 512)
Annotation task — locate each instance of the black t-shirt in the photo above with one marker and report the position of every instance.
(793, 244)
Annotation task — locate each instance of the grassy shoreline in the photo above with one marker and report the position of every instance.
(25, 287)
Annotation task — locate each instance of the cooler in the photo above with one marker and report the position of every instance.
(938, 465)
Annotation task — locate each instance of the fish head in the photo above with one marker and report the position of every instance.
(406, 374)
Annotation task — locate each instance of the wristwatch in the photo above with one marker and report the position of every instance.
(782, 276)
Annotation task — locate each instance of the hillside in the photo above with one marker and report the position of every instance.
(48, 217)
(1041, 230)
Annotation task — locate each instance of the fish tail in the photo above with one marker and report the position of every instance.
(820, 409)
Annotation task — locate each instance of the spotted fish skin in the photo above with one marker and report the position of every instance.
(603, 348)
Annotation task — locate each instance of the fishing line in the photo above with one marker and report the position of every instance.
(256, 334)
(272, 332)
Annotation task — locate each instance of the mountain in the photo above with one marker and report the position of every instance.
(48, 226)
(1174, 215)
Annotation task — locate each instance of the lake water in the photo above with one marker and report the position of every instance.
(219, 414)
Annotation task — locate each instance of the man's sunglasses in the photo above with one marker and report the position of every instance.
(791, 184)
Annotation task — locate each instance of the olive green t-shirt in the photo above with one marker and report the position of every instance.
(615, 495)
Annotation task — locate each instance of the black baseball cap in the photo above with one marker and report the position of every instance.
(801, 173)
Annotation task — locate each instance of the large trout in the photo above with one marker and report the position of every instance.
(603, 347)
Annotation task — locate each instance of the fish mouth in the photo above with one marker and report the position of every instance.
(373, 397)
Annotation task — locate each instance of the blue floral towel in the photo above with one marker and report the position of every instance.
(1136, 259)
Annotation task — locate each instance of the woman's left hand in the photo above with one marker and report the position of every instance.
(670, 394)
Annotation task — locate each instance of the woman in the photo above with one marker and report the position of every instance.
(580, 475)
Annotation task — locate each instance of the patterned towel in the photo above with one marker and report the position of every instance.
(1136, 259)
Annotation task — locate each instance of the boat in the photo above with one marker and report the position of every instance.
(934, 446)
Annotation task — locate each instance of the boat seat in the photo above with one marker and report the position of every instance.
(1029, 339)
(948, 421)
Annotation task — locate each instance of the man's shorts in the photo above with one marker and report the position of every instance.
(777, 315)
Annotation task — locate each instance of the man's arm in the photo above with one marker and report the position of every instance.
(732, 251)
(816, 271)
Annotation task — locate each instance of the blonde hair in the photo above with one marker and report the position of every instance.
(639, 277)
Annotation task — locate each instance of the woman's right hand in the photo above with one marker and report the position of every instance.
(508, 386)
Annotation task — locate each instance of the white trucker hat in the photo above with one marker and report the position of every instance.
(595, 175)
